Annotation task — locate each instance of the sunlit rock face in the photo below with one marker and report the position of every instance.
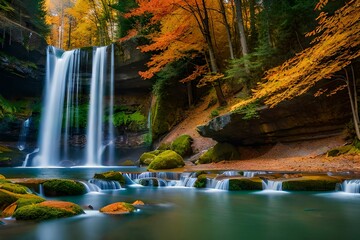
(302, 118)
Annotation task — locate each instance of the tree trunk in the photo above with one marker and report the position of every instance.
(227, 27)
(189, 93)
(252, 23)
(219, 93)
(239, 20)
(353, 103)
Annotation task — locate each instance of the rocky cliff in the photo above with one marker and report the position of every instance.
(303, 118)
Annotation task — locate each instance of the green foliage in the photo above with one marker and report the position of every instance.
(134, 121)
(214, 113)
(220, 152)
(111, 176)
(5, 6)
(249, 111)
(200, 182)
(244, 184)
(63, 187)
(164, 146)
(348, 149)
(167, 160)
(6, 108)
(182, 145)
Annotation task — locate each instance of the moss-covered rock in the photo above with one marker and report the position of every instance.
(182, 145)
(118, 208)
(128, 163)
(111, 176)
(167, 160)
(63, 187)
(6, 199)
(12, 187)
(164, 146)
(311, 183)
(348, 149)
(2, 177)
(146, 158)
(200, 182)
(220, 152)
(245, 184)
(47, 210)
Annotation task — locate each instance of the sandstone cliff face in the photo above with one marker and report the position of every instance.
(303, 118)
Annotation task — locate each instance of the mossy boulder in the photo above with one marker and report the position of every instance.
(6, 199)
(118, 208)
(348, 149)
(182, 145)
(110, 176)
(200, 182)
(245, 184)
(47, 210)
(2, 177)
(128, 163)
(311, 183)
(164, 146)
(63, 187)
(220, 152)
(147, 157)
(12, 187)
(167, 160)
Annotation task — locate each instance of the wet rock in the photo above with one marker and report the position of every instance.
(47, 210)
(167, 160)
(311, 183)
(118, 208)
(110, 176)
(63, 187)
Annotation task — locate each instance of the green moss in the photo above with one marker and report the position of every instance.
(167, 160)
(11, 187)
(245, 184)
(37, 212)
(128, 163)
(164, 146)
(220, 152)
(111, 176)
(146, 158)
(6, 199)
(63, 187)
(134, 121)
(200, 182)
(2, 177)
(348, 149)
(182, 145)
(21, 202)
(214, 113)
(311, 183)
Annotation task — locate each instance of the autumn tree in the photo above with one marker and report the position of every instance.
(333, 51)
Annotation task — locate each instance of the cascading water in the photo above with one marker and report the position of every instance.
(272, 185)
(23, 134)
(351, 186)
(60, 116)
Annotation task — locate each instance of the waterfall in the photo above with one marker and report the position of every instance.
(230, 173)
(105, 184)
(90, 187)
(25, 163)
(23, 134)
(65, 80)
(250, 174)
(351, 186)
(222, 185)
(272, 185)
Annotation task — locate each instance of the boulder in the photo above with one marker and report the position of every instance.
(182, 145)
(47, 210)
(220, 152)
(118, 208)
(110, 176)
(63, 187)
(303, 118)
(245, 184)
(311, 183)
(138, 203)
(167, 160)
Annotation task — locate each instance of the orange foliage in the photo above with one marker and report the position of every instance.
(334, 49)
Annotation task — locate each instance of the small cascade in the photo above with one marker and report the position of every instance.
(90, 187)
(250, 174)
(230, 173)
(41, 190)
(272, 185)
(351, 186)
(23, 134)
(25, 163)
(105, 185)
(187, 180)
(222, 184)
